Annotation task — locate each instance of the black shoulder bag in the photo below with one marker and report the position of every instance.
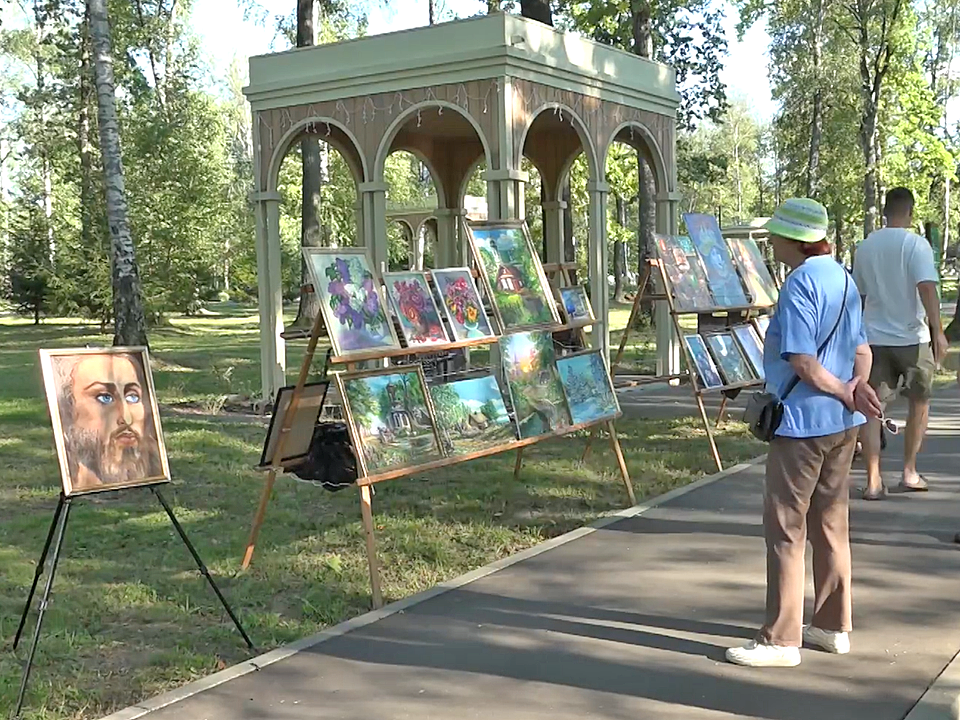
(765, 410)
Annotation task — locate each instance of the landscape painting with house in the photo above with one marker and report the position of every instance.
(392, 420)
(530, 368)
(513, 275)
(471, 415)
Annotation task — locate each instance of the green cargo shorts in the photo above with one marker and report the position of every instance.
(908, 368)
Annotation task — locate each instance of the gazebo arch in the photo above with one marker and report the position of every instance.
(648, 146)
(329, 131)
(497, 75)
(587, 147)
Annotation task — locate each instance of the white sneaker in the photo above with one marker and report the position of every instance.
(755, 654)
(837, 643)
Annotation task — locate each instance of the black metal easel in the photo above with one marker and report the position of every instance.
(58, 527)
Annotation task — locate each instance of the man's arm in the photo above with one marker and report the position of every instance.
(863, 362)
(931, 304)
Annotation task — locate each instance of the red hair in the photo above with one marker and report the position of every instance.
(808, 249)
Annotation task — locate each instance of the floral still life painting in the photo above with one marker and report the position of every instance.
(721, 274)
(704, 365)
(587, 386)
(471, 415)
(391, 422)
(576, 304)
(685, 273)
(461, 303)
(350, 300)
(534, 383)
(754, 271)
(514, 277)
(415, 307)
(730, 359)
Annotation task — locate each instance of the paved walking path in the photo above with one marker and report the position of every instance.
(630, 622)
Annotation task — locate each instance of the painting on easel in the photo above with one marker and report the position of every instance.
(301, 427)
(576, 304)
(721, 275)
(105, 418)
(471, 415)
(461, 303)
(752, 346)
(415, 308)
(754, 271)
(390, 419)
(587, 386)
(730, 359)
(534, 383)
(685, 273)
(513, 276)
(706, 368)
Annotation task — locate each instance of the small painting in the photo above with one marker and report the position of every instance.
(390, 418)
(721, 275)
(461, 303)
(752, 347)
(762, 323)
(756, 276)
(685, 273)
(471, 415)
(576, 304)
(415, 308)
(703, 364)
(588, 388)
(730, 359)
(513, 276)
(106, 423)
(300, 435)
(534, 383)
(350, 300)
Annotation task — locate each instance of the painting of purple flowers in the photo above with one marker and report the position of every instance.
(350, 300)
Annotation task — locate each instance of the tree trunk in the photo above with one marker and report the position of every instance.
(537, 10)
(310, 234)
(432, 11)
(83, 139)
(838, 226)
(736, 169)
(816, 121)
(129, 323)
(760, 203)
(493, 6)
(641, 16)
(642, 22)
(619, 251)
(868, 143)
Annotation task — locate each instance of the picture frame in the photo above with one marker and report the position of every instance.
(512, 275)
(300, 436)
(471, 415)
(415, 308)
(576, 304)
(533, 382)
(587, 386)
(761, 323)
(753, 270)
(351, 300)
(461, 304)
(97, 392)
(684, 270)
(734, 366)
(752, 347)
(382, 421)
(722, 277)
(706, 369)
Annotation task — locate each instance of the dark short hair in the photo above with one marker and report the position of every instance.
(898, 201)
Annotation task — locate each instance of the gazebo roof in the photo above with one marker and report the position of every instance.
(478, 48)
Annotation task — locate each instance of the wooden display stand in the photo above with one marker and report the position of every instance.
(655, 272)
(364, 483)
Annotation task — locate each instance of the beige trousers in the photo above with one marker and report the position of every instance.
(807, 496)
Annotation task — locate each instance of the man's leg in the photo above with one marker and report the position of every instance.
(918, 386)
(884, 378)
(870, 441)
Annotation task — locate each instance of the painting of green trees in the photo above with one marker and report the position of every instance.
(531, 372)
(514, 277)
(471, 415)
(587, 385)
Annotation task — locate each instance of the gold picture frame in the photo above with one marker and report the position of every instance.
(117, 399)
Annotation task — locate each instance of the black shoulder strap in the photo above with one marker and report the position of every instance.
(823, 345)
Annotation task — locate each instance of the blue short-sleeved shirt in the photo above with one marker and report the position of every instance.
(806, 313)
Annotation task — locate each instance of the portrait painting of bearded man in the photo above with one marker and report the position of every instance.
(105, 418)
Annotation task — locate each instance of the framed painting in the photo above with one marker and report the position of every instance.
(415, 308)
(733, 365)
(752, 347)
(761, 323)
(685, 273)
(703, 363)
(588, 388)
(756, 276)
(300, 436)
(512, 275)
(106, 424)
(471, 415)
(350, 300)
(390, 418)
(576, 304)
(721, 275)
(529, 365)
(461, 303)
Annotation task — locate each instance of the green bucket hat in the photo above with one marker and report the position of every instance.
(800, 219)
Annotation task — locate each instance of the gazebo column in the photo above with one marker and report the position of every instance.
(597, 263)
(374, 199)
(449, 241)
(668, 344)
(553, 229)
(505, 193)
(273, 356)
(417, 247)
(360, 238)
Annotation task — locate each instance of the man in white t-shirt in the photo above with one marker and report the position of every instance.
(897, 277)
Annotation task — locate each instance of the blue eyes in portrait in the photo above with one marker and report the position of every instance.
(105, 398)
(132, 398)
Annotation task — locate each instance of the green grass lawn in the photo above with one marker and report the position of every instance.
(131, 617)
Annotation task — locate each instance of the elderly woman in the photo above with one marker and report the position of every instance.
(817, 362)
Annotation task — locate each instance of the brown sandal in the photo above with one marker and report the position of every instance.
(919, 486)
(880, 494)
